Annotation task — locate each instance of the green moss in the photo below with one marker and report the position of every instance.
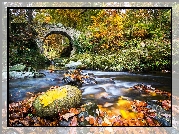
(71, 99)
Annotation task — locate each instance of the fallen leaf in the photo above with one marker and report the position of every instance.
(74, 110)
(104, 124)
(140, 115)
(127, 115)
(113, 120)
(153, 93)
(91, 120)
(67, 115)
(124, 104)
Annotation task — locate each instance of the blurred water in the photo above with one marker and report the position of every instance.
(110, 86)
(114, 83)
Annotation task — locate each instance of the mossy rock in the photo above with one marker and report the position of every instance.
(17, 67)
(57, 99)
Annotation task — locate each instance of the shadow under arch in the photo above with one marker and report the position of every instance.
(66, 52)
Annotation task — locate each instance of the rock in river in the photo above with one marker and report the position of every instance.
(75, 65)
(56, 99)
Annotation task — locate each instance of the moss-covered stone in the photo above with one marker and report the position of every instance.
(57, 99)
(17, 67)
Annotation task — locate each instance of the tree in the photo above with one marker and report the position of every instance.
(75, 18)
(22, 45)
(106, 30)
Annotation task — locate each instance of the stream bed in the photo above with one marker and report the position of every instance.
(114, 83)
(109, 87)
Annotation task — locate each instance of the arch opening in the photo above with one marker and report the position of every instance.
(57, 44)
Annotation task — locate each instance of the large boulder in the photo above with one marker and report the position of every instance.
(76, 77)
(56, 99)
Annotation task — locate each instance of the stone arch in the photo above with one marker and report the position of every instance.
(68, 50)
(68, 32)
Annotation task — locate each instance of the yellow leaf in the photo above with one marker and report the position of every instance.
(47, 19)
(52, 95)
(124, 104)
(127, 115)
(153, 94)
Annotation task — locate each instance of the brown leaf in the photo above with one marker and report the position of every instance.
(25, 122)
(54, 123)
(82, 118)
(38, 118)
(140, 115)
(24, 110)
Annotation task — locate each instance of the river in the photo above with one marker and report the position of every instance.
(109, 87)
(114, 83)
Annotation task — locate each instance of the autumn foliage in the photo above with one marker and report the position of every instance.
(124, 113)
(106, 30)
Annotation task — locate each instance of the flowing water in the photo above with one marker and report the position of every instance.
(110, 86)
(113, 83)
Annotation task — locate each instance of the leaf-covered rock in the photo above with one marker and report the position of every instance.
(57, 99)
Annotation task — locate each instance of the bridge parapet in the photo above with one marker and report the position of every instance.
(73, 33)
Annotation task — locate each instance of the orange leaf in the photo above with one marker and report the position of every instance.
(74, 110)
(112, 120)
(104, 124)
(140, 115)
(91, 120)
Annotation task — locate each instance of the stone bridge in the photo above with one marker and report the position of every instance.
(68, 32)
